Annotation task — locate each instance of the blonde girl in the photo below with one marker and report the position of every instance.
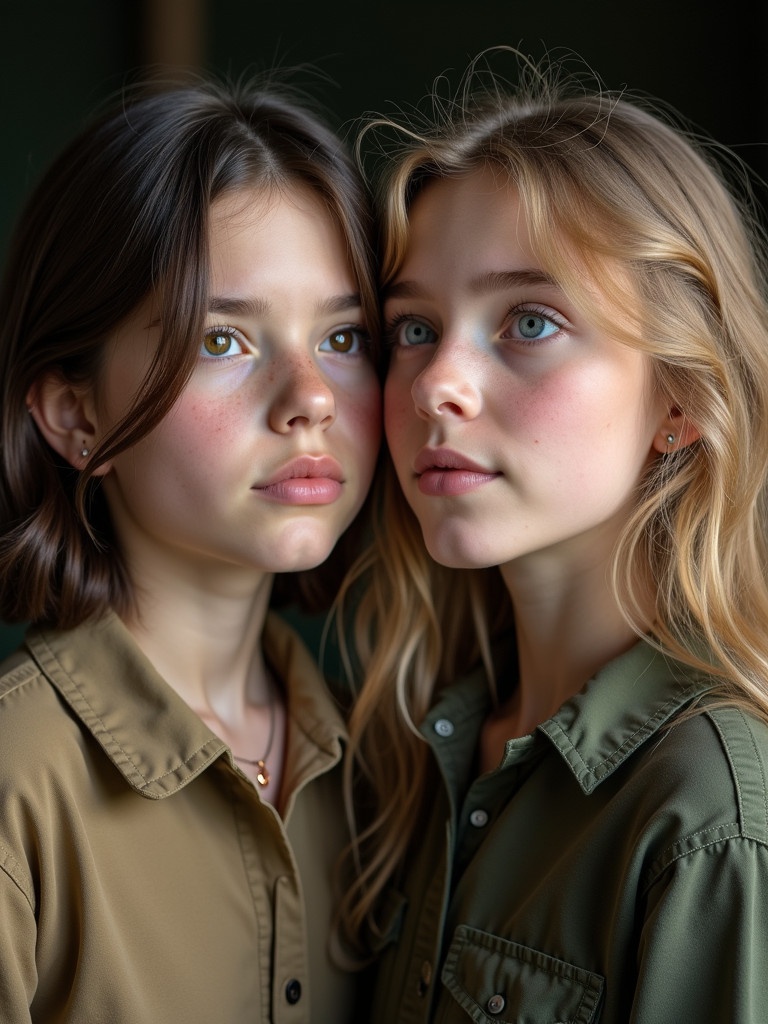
(190, 405)
(562, 735)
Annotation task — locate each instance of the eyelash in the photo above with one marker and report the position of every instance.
(230, 332)
(392, 327)
(364, 342)
(363, 338)
(521, 308)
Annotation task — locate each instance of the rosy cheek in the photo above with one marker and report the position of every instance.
(206, 423)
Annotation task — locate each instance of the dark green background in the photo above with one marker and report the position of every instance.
(59, 60)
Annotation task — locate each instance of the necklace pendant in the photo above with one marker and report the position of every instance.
(262, 776)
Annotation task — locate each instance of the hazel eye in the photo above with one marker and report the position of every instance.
(413, 332)
(346, 340)
(219, 342)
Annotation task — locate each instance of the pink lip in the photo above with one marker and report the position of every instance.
(443, 472)
(307, 480)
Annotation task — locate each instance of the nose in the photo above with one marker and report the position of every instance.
(447, 386)
(302, 398)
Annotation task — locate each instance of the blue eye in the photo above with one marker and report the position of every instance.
(221, 341)
(534, 326)
(414, 332)
(346, 340)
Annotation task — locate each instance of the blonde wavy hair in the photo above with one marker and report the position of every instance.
(625, 189)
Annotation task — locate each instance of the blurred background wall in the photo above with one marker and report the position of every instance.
(60, 60)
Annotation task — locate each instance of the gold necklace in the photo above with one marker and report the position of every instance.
(262, 776)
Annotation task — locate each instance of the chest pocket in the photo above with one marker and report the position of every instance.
(499, 982)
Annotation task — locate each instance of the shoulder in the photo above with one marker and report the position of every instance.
(27, 700)
(744, 743)
(41, 738)
(700, 795)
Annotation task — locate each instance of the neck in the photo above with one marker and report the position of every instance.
(206, 641)
(569, 625)
(201, 628)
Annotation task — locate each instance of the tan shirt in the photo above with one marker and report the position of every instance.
(142, 879)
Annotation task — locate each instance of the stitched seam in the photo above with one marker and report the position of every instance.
(19, 677)
(758, 761)
(12, 869)
(660, 714)
(107, 733)
(147, 782)
(724, 838)
(172, 771)
(714, 718)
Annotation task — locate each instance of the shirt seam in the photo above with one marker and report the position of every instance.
(12, 869)
(98, 728)
(630, 743)
(737, 782)
(726, 834)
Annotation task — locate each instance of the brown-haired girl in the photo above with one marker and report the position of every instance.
(189, 405)
(564, 723)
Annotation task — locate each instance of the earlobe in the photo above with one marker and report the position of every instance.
(676, 432)
(65, 418)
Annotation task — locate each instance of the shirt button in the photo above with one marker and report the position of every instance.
(479, 818)
(293, 991)
(443, 727)
(496, 1003)
(425, 977)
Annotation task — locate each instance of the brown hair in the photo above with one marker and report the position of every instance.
(123, 212)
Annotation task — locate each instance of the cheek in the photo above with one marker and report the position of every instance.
(367, 408)
(196, 436)
(358, 411)
(567, 409)
(399, 407)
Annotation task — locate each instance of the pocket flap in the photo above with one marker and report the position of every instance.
(500, 982)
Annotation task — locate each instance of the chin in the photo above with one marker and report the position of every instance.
(298, 557)
(458, 556)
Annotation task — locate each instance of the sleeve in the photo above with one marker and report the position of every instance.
(703, 952)
(18, 935)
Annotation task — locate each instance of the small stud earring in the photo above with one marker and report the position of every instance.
(670, 438)
(85, 452)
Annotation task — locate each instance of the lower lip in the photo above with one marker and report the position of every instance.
(302, 491)
(449, 482)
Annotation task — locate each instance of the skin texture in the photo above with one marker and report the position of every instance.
(518, 430)
(272, 385)
(258, 468)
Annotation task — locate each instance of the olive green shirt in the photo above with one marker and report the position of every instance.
(610, 869)
(142, 878)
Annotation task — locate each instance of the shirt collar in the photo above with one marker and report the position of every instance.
(595, 731)
(149, 733)
(619, 709)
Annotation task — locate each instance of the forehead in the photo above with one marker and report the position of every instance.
(479, 213)
(255, 232)
(476, 228)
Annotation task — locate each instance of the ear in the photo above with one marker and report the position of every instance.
(676, 432)
(66, 418)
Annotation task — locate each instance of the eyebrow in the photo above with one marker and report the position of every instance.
(492, 281)
(254, 308)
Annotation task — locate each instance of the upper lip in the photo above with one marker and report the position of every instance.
(307, 466)
(445, 458)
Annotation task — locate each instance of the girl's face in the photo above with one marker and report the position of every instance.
(268, 454)
(518, 430)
